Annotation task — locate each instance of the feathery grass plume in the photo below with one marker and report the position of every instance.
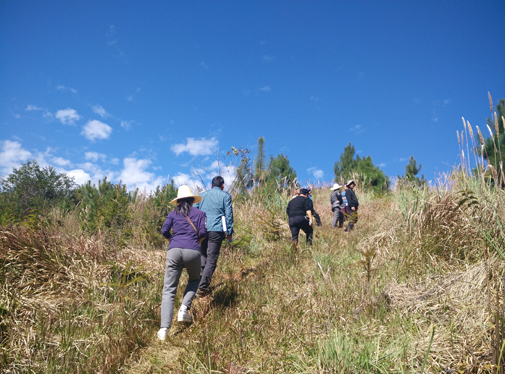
(496, 127)
(490, 131)
(490, 101)
(457, 133)
(481, 138)
(470, 129)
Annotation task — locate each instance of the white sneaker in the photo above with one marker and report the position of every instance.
(162, 333)
(183, 315)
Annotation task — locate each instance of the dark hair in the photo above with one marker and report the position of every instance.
(184, 205)
(217, 181)
(304, 191)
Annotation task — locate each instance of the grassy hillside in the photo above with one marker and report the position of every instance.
(418, 286)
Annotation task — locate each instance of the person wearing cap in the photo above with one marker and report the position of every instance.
(300, 216)
(314, 213)
(353, 204)
(217, 204)
(188, 227)
(337, 203)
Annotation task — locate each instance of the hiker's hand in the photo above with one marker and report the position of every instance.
(353, 208)
(310, 222)
(229, 237)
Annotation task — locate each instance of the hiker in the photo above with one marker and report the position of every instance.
(314, 213)
(188, 229)
(217, 204)
(337, 203)
(300, 216)
(352, 200)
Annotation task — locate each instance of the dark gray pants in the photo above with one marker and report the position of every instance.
(338, 218)
(298, 223)
(210, 253)
(177, 258)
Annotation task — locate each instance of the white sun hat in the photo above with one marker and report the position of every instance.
(184, 192)
(350, 182)
(336, 186)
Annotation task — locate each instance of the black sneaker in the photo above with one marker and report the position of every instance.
(201, 293)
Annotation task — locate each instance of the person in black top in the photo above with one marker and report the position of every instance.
(314, 213)
(300, 216)
(353, 203)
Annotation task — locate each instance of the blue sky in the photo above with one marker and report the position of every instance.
(142, 91)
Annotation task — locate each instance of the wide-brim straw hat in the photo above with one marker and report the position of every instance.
(336, 186)
(184, 192)
(350, 182)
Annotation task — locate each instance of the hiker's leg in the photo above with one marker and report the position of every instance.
(308, 230)
(340, 218)
(203, 251)
(173, 272)
(215, 239)
(336, 215)
(191, 260)
(293, 227)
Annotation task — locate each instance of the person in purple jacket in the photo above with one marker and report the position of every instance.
(188, 225)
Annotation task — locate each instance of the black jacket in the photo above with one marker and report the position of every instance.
(352, 200)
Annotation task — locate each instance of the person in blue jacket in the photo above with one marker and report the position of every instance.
(216, 203)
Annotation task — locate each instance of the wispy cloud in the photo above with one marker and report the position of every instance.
(203, 65)
(266, 89)
(382, 165)
(126, 124)
(33, 107)
(60, 161)
(63, 88)
(96, 130)
(267, 58)
(68, 116)
(98, 109)
(94, 156)
(358, 129)
(317, 173)
(196, 147)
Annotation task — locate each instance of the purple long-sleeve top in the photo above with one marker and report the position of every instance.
(183, 235)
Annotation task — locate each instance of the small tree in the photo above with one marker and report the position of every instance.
(280, 169)
(348, 165)
(33, 187)
(411, 171)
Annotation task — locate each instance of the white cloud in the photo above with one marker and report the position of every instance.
(80, 176)
(194, 147)
(129, 98)
(317, 173)
(94, 156)
(67, 116)
(134, 174)
(382, 165)
(33, 107)
(98, 109)
(114, 161)
(11, 156)
(358, 129)
(266, 89)
(228, 172)
(267, 58)
(204, 65)
(181, 179)
(60, 161)
(96, 130)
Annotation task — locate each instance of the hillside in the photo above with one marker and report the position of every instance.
(417, 286)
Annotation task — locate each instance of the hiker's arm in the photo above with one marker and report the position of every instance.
(309, 214)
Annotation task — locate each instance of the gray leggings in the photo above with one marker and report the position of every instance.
(177, 258)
